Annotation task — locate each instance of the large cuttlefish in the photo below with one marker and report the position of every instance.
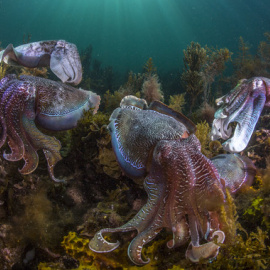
(185, 189)
(28, 100)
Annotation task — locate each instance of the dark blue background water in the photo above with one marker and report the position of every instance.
(125, 33)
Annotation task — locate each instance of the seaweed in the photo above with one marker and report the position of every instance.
(151, 89)
(203, 134)
(3, 70)
(89, 143)
(247, 65)
(194, 59)
(241, 249)
(77, 247)
(177, 102)
(39, 72)
(149, 68)
(201, 66)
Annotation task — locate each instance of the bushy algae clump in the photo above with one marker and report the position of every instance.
(177, 102)
(201, 66)
(203, 134)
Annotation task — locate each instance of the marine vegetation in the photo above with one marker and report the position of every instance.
(38, 72)
(264, 55)
(151, 89)
(247, 65)
(3, 70)
(214, 66)
(259, 146)
(244, 62)
(243, 249)
(177, 102)
(157, 145)
(203, 134)
(90, 144)
(205, 112)
(95, 75)
(77, 247)
(201, 66)
(149, 67)
(144, 85)
(86, 59)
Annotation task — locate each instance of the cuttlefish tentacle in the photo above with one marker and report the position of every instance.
(148, 221)
(7, 83)
(24, 98)
(50, 145)
(12, 103)
(52, 158)
(136, 245)
(100, 245)
(205, 251)
(193, 181)
(206, 193)
(181, 234)
(139, 222)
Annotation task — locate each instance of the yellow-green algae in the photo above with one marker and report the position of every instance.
(90, 142)
(77, 247)
(177, 102)
(203, 134)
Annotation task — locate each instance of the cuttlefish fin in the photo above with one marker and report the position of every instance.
(162, 108)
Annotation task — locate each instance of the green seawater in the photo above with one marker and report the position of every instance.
(125, 33)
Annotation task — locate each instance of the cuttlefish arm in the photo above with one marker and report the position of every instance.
(61, 56)
(207, 250)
